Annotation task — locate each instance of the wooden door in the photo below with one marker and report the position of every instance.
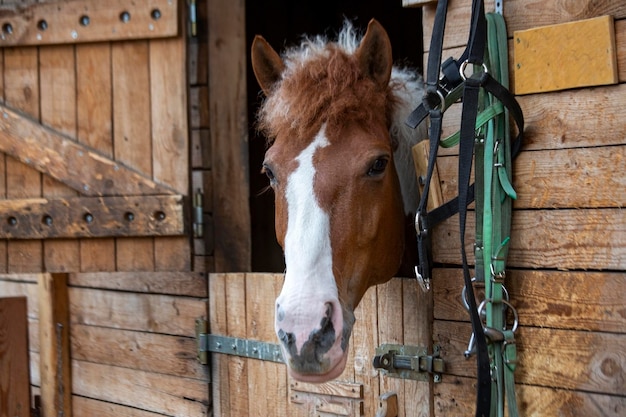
(93, 137)
(242, 306)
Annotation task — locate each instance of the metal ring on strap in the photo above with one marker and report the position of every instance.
(464, 66)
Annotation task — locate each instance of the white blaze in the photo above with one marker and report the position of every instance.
(308, 255)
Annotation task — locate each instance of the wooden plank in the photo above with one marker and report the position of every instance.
(239, 371)
(519, 15)
(164, 354)
(417, 318)
(555, 358)
(587, 301)
(79, 167)
(58, 111)
(154, 313)
(220, 392)
(22, 289)
(192, 284)
(21, 79)
(567, 55)
(267, 381)
(535, 177)
(92, 217)
(54, 340)
(89, 407)
(14, 383)
(559, 239)
(456, 395)
(153, 392)
(416, 3)
(390, 330)
(548, 126)
(334, 389)
(94, 129)
(229, 131)
(131, 136)
(421, 153)
(87, 21)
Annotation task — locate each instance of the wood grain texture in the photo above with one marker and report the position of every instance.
(585, 301)
(192, 284)
(559, 239)
(554, 358)
(229, 134)
(152, 392)
(14, 362)
(63, 22)
(54, 345)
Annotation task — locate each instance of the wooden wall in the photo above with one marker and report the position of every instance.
(567, 261)
(140, 104)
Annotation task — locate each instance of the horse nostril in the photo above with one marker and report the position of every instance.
(328, 316)
(288, 339)
(280, 313)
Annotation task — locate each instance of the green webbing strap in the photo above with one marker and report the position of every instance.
(493, 223)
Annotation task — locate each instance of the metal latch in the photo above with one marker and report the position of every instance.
(409, 362)
(247, 348)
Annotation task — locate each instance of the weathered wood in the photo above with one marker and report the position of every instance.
(456, 396)
(417, 319)
(587, 301)
(567, 55)
(94, 129)
(519, 15)
(92, 217)
(238, 368)
(14, 362)
(545, 179)
(192, 284)
(153, 392)
(165, 354)
(87, 21)
(264, 399)
(21, 79)
(89, 407)
(131, 135)
(416, 3)
(390, 330)
(364, 340)
(153, 313)
(560, 239)
(555, 358)
(74, 164)
(54, 345)
(220, 389)
(229, 134)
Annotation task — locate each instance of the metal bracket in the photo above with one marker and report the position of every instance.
(246, 348)
(409, 362)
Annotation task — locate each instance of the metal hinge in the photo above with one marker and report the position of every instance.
(254, 349)
(409, 362)
(198, 219)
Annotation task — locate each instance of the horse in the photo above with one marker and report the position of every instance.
(339, 162)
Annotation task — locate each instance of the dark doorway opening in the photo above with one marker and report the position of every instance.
(282, 23)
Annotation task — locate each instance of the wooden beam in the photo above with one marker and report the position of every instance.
(229, 134)
(54, 340)
(74, 164)
(78, 217)
(86, 21)
(14, 366)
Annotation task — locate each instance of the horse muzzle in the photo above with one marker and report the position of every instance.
(314, 337)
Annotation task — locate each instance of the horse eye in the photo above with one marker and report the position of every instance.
(378, 167)
(269, 173)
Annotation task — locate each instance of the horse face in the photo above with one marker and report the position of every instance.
(339, 219)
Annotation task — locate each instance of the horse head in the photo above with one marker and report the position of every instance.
(340, 213)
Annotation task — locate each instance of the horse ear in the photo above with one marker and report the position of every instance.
(374, 54)
(266, 64)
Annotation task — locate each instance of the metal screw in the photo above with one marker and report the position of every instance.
(12, 221)
(129, 216)
(156, 14)
(84, 20)
(74, 34)
(159, 215)
(88, 217)
(42, 25)
(7, 28)
(125, 17)
(47, 220)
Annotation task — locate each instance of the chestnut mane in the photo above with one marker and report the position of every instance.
(322, 83)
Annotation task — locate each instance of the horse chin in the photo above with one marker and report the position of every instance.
(333, 373)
